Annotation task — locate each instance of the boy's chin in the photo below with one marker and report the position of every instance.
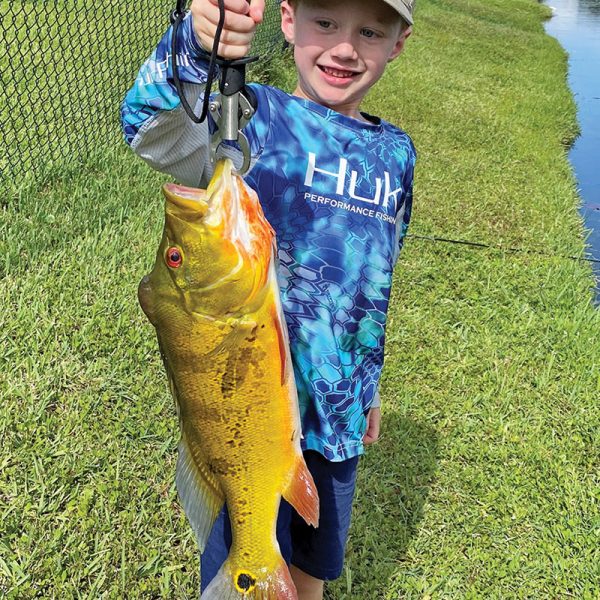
(336, 99)
(339, 103)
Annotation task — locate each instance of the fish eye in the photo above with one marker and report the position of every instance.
(173, 257)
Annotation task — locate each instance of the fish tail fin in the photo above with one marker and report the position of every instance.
(241, 584)
(302, 494)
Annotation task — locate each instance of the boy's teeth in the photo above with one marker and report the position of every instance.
(337, 73)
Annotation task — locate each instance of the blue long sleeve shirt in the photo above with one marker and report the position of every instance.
(337, 191)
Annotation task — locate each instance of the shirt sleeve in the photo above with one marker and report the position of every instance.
(376, 403)
(404, 214)
(153, 119)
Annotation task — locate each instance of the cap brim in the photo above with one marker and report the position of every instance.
(401, 9)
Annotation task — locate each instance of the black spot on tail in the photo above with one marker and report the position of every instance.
(245, 581)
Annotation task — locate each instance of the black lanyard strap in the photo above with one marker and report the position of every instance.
(177, 17)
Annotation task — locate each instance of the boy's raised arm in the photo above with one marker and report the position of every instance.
(154, 121)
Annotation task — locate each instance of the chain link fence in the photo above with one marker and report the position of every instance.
(65, 66)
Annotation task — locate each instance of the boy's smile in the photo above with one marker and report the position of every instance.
(341, 48)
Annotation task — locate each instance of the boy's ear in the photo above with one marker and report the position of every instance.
(399, 45)
(287, 21)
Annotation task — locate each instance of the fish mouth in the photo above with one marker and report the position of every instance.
(196, 204)
(189, 199)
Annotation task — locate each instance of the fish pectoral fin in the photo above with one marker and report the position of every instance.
(240, 330)
(302, 494)
(199, 491)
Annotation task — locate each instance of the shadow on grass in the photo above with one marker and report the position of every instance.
(393, 484)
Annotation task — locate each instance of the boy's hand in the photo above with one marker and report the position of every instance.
(241, 19)
(373, 424)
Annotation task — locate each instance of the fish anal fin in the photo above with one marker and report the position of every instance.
(302, 494)
(199, 492)
(246, 585)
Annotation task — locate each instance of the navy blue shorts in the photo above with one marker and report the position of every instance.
(318, 552)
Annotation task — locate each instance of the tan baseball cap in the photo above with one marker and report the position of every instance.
(404, 8)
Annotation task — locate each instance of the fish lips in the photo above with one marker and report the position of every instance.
(192, 202)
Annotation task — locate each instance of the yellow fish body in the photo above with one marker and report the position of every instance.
(214, 301)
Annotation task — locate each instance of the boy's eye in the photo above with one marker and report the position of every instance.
(324, 24)
(369, 33)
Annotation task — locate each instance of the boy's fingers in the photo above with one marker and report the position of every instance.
(227, 49)
(228, 36)
(257, 10)
(234, 21)
(241, 7)
(373, 426)
(233, 51)
(238, 29)
(369, 438)
(232, 45)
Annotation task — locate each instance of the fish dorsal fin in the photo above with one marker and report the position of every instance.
(199, 492)
(302, 494)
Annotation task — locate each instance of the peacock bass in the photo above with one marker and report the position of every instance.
(214, 301)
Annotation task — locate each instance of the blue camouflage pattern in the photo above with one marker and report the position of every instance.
(338, 193)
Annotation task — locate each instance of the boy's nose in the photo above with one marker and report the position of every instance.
(345, 50)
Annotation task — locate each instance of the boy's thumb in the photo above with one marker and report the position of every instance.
(257, 9)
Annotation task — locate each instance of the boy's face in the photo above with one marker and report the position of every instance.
(341, 48)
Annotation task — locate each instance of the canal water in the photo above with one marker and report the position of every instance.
(576, 25)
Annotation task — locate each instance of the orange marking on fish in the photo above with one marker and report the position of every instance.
(281, 342)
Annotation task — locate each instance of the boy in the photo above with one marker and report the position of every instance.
(336, 185)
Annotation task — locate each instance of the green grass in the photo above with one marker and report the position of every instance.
(485, 481)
